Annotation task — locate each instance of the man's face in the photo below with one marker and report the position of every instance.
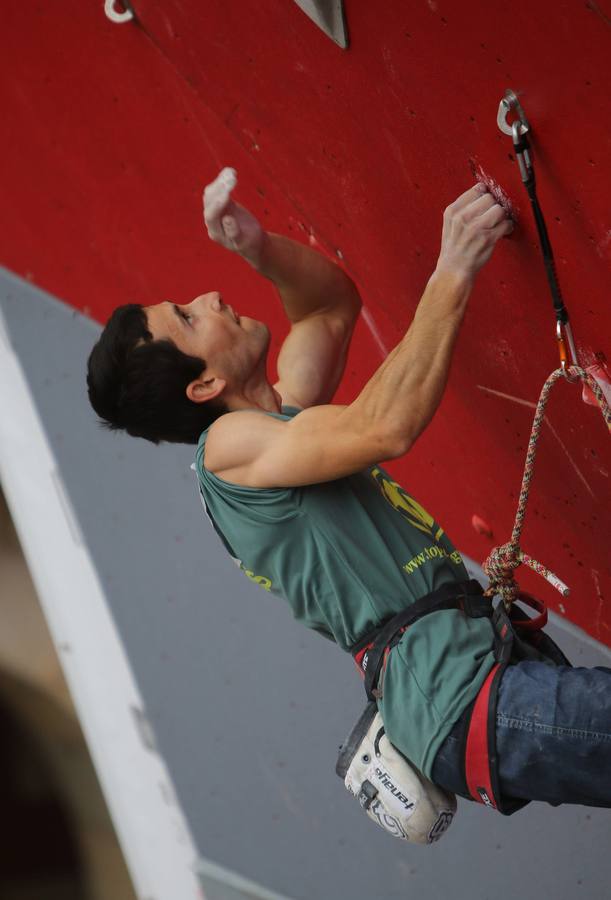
(231, 346)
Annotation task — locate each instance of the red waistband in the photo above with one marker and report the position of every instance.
(477, 758)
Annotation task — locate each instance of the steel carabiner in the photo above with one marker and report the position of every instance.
(518, 132)
(561, 331)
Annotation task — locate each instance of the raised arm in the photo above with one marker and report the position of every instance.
(397, 403)
(320, 300)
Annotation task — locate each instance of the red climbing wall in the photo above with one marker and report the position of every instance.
(111, 131)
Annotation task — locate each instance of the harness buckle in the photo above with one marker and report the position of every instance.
(503, 634)
(476, 606)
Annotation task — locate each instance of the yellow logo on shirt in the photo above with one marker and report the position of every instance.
(433, 552)
(261, 580)
(405, 505)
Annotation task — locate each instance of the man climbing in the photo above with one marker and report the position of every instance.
(295, 489)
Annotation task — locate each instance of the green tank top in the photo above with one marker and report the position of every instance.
(346, 554)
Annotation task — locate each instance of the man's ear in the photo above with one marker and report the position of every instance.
(205, 388)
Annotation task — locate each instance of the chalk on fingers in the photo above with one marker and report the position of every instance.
(228, 178)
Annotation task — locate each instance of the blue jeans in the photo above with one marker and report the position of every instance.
(553, 733)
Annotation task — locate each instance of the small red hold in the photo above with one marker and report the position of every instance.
(495, 189)
(481, 527)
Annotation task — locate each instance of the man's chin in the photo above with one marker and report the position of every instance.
(254, 325)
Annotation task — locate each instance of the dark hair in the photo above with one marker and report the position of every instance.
(138, 384)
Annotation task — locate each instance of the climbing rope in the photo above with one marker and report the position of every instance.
(504, 560)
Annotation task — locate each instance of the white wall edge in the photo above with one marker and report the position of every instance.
(159, 850)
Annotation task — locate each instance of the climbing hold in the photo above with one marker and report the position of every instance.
(481, 526)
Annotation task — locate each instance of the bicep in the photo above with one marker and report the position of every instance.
(312, 359)
(320, 444)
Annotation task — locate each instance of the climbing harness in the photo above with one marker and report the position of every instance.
(518, 131)
(516, 637)
(371, 652)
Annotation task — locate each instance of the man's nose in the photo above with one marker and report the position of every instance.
(212, 299)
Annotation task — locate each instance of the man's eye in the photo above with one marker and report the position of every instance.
(186, 316)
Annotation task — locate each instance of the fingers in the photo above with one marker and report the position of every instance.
(478, 207)
(474, 193)
(217, 196)
(504, 228)
(493, 215)
(225, 181)
(230, 227)
(472, 225)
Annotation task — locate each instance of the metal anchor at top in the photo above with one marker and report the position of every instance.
(119, 15)
(510, 101)
(517, 131)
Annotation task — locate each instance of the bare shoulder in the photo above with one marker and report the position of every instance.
(320, 444)
(236, 439)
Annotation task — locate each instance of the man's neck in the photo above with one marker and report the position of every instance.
(259, 395)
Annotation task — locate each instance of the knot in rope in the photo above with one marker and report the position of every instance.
(499, 568)
(500, 565)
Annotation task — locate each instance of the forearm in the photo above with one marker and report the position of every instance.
(307, 281)
(403, 395)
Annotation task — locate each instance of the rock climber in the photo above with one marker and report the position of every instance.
(295, 488)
